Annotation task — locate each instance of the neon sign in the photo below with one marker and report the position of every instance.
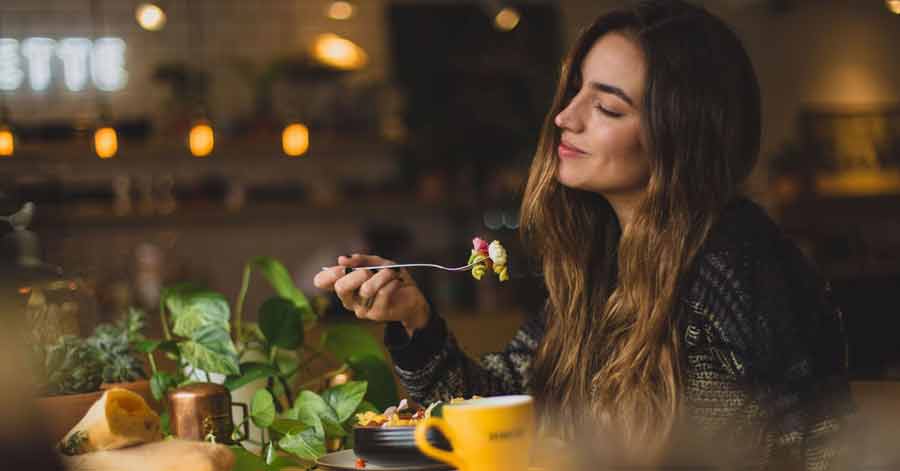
(101, 60)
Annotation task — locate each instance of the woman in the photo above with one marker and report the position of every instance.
(674, 304)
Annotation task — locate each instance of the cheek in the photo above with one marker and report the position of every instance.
(620, 162)
(622, 149)
(623, 142)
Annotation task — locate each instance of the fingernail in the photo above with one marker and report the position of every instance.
(347, 270)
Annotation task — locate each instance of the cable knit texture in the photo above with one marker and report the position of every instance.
(763, 351)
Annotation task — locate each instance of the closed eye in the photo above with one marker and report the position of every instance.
(609, 113)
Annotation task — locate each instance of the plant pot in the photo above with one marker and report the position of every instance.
(61, 413)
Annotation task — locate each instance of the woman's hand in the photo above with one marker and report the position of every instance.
(385, 295)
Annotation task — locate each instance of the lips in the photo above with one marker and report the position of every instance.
(568, 151)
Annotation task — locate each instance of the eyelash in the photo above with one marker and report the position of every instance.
(611, 114)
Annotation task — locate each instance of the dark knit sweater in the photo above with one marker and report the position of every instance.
(763, 357)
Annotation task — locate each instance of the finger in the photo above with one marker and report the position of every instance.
(347, 260)
(362, 306)
(361, 260)
(381, 307)
(345, 287)
(371, 286)
(326, 278)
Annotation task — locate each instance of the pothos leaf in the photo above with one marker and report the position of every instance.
(262, 409)
(160, 383)
(346, 340)
(247, 461)
(312, 403)
(296, 420)
(211, 350)
(199, 309)
(345, 398)
(285, 426)
(382, 390)
(250, 372)
(307, 444)
(281, 322)
(280, 279)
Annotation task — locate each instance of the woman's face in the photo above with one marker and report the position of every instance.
(601, 146)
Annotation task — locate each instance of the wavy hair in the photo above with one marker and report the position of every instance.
(612, 338)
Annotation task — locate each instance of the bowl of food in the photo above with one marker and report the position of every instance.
(388, 438)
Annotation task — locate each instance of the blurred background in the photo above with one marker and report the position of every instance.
(175, 140)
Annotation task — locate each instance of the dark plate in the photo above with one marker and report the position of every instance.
(345, 460)
(394, 445)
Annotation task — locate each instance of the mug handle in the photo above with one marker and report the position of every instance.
(246, 421)
(427, 448)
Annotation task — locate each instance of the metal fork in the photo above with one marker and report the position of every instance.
(410, 265)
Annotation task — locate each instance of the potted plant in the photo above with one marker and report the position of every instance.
(75, 371)
(300, 412)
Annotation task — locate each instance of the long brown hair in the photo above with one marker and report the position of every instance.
(611, 344)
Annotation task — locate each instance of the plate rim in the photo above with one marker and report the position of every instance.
(349, 451)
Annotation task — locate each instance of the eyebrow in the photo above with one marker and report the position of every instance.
(606, 88)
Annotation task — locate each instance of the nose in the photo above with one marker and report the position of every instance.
(568, 118)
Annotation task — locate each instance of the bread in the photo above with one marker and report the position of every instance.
(118, 419)
(166, 455)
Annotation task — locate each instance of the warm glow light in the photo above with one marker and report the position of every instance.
(7, 142)
(893, 6)
(106, 142)
(338, 379)
(859, 183)
(295, 139)
(150, 17)
(201, 140)
(340, 10)
(338, 52)
(507, 19)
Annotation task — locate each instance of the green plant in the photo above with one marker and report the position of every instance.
(200, 335)
(72, 366)
(115, 345)
(77, 365)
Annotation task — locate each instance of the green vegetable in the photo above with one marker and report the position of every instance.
(74, 445)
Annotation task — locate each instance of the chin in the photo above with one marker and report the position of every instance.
(570, 178)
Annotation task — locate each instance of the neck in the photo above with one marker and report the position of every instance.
(623, 206)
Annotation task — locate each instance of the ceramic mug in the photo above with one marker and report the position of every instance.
(487, 434)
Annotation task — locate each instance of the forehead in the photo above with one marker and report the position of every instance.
(616, 60)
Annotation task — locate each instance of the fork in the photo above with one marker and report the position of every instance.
(410, 265)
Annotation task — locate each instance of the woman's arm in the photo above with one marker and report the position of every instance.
(432, 366)
(766, 356)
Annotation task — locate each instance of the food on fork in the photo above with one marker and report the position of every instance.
(487, 257)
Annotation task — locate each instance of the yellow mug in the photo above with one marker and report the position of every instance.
(487, 434)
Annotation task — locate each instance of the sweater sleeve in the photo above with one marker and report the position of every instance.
(432, 366)
(767, 356)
